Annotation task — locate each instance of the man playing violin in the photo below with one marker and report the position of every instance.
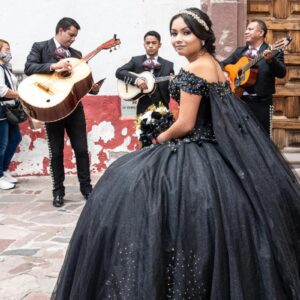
(259, 96)
(44, 57)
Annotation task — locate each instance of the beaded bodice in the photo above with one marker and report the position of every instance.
(192, 84)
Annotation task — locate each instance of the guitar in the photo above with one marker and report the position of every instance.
(242, 74)
(51, 97)
(131, 92)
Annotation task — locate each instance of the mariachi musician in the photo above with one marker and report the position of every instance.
(259, 96)
(149, 62)
(44, 58)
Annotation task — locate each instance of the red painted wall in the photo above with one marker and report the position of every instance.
(109, 136)
(97, 109)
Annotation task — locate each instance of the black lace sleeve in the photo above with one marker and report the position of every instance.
(188, 82)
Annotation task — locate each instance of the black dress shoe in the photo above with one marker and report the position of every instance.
(58, 201)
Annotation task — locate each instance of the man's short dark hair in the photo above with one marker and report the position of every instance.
(66, 23)
(152, 33)
(262, 25)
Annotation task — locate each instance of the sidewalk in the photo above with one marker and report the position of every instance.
(34, 236)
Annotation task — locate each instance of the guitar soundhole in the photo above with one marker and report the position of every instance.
(48, 100)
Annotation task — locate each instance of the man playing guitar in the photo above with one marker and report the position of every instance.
(44, 58)
(259, 96)
(149, 62)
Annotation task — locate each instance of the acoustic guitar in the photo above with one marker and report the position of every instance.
(51, 97)
(131, 92)
(244, 74)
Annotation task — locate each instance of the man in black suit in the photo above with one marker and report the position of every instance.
(149, 62)
(259, 96)
(44, 57)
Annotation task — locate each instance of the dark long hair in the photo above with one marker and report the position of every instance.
(198, 29)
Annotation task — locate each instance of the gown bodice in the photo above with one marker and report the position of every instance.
(192, 84)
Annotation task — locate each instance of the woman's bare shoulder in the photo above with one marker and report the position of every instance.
(204, 68)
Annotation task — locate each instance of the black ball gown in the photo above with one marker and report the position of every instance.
(213, 215)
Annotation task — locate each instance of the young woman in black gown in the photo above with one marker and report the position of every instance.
(211, 212)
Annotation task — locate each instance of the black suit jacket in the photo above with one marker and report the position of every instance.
(161, 93)
(42, 56)
(267, 72)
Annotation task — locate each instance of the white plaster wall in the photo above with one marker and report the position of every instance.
(24, 22)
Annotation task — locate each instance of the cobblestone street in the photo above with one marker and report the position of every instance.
(34, 236)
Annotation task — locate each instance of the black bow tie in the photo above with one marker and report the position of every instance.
(151, 64)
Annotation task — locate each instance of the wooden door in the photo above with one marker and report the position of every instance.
(283, 18)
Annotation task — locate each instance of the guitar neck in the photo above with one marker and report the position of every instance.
(107, 45)
(161, 79)
(90, 55)
(254, 61)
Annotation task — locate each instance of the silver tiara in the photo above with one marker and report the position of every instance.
(197, 18)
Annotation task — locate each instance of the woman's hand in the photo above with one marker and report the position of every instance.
(11, 94)
(160, 139)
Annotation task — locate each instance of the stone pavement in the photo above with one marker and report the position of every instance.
(34, 236)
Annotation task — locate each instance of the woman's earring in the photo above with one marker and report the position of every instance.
(203, 43)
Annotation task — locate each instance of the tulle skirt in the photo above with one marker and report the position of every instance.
(185, 224)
